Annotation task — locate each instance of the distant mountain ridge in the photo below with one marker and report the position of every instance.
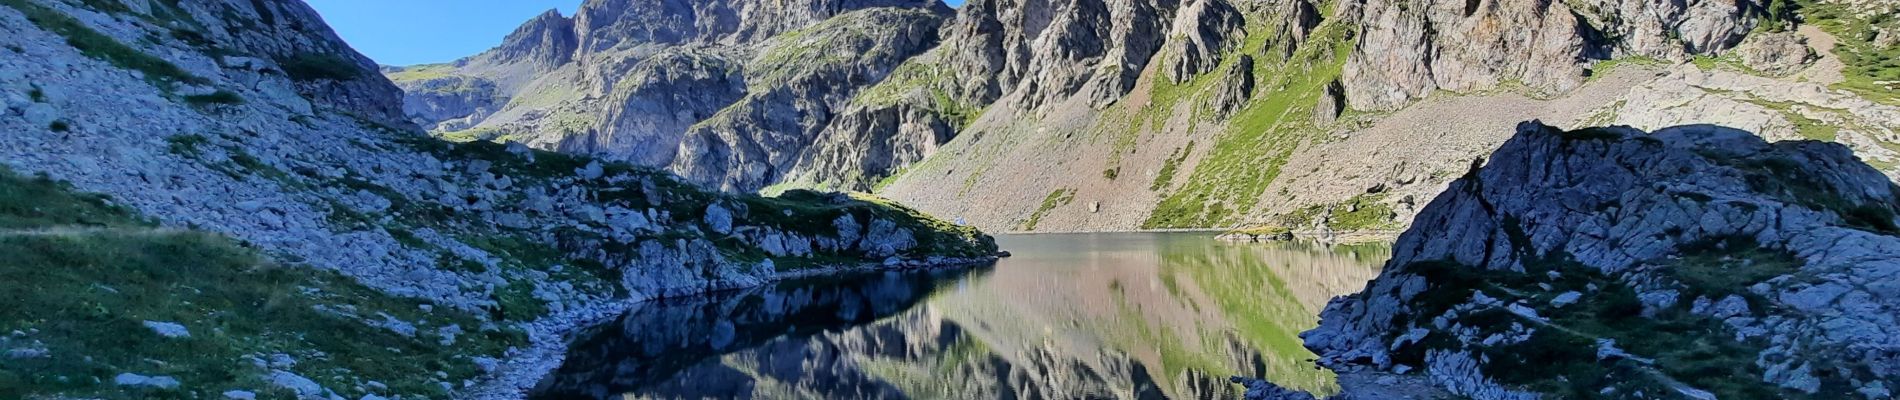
(1148, 113)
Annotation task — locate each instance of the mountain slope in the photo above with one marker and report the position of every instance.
(1317, 117)
(726, 93)
(1336, 120)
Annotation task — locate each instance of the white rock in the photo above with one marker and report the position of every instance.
(168, 329)
(240, 395)
(295, 383)
(40, 114)
(1565, 299)
(145, 382)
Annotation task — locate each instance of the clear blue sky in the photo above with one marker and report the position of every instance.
(409, 32)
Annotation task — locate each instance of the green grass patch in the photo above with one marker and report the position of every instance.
(1165, 178)
(1606, 67)
(84, 274)
(312, 67)
(1871, 71)
(417, 73)
(1058, 198)
(1248, 156)
(221, 97)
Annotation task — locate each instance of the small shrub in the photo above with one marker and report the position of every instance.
(310, 67)
(38, 95)
(16, 48)
(220, 97)
(60, 126)
(185, 145)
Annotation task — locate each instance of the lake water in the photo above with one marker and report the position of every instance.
(1135, 315)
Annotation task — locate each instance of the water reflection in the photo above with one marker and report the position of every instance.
(1132, 316)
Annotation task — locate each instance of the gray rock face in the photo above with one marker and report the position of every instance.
(1297, 20)
(1642, 210)
(1236, 88)
(450, 102)
(137, 381)
(750, 144)
(546, 42)
(1202, 32)
(728, 93)
(1776, 53)
(1411, 48)
(665, 94)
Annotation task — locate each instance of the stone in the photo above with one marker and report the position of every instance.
(1778, 53)
(28, 353)
(240, 395)
(1565, 299)
(294, 383)
(137, 381)
(40, 114)
(591, 171)
(718, 219)
(168, 330)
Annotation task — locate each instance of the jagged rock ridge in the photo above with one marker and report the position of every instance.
(643, 81)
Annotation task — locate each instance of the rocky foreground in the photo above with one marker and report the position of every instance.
(206, 199)
(1695, 262)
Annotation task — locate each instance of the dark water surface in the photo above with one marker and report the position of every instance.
(1084, 316)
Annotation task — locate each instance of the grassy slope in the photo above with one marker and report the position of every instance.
(1872, 71)
(85, 274)
(1247, 156)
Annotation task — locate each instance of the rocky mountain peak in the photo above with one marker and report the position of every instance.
(605, 25)
(547, 41)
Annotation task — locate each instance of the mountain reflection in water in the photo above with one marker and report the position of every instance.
(1134, 316)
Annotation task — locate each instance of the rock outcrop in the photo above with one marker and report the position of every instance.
(1693, 262)
(1411, 48)
(728, 93)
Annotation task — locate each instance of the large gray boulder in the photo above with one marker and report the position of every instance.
(1652, 230)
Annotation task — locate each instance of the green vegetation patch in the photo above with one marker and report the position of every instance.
(920, 77)
(1872, 71)
(417, 73)
(1365, 212)
(101, 47)
(83, 276)
(312, 67)
(1560, 357)
(221, 97)
(1256, 143)
(1171, 167)
(1058, 198)
(1787, 180)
